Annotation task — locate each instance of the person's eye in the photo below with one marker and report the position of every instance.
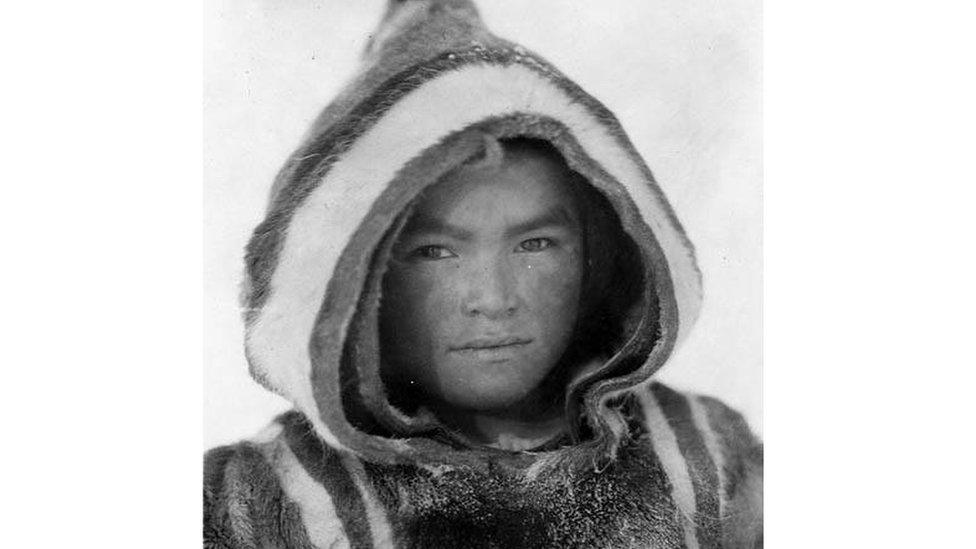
(535, 244)
(433, 252)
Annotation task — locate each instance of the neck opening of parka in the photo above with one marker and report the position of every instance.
(435, 84)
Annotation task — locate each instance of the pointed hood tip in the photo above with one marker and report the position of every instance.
(464, 5)
(404, 17)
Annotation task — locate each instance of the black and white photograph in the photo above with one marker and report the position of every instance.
(469, 289)
(487, 274)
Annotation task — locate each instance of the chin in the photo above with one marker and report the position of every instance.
(486, 399)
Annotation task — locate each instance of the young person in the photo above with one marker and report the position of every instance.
(483, 316)
(465, 281)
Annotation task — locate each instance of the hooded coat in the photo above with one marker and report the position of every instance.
(642, 465)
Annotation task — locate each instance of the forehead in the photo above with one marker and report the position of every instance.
(518, 187)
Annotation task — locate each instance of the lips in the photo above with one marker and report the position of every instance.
(492, 343)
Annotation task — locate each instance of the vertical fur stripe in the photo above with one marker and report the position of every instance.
(665, 445)
(239, 516)
(324, 466)
(379, 526)
(318, 512)
(700, 416)
(701, 468)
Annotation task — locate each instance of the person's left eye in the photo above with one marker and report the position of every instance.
(535, 245)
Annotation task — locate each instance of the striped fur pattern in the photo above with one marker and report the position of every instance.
(689, 476)
(642, 466)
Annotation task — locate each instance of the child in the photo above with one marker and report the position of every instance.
(465, 281)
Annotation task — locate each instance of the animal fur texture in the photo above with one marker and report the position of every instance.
(689, 474)
(644, 466)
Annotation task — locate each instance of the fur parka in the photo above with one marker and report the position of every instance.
(641, 465)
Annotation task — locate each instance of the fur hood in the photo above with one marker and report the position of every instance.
(434, 82)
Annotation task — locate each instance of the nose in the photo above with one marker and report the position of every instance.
(491, 290)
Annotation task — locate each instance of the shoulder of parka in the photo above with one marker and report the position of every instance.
(244, 505)
(282, 488)
(713, 461)
(286, 488)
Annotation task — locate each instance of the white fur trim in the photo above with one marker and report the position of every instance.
(665, 445)
(700, 416)
(324, 223)
(379, 526)
(322, 524)
(268, 434)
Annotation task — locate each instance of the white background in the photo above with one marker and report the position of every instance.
(868, 284)
(683, 77)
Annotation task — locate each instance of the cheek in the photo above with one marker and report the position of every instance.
(552, 286)
(420, 298)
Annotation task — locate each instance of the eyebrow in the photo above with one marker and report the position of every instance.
(431, 225)
(555, 216)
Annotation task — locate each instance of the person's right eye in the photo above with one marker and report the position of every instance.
(433, 252)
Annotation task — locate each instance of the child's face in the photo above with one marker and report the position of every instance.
(482, 293)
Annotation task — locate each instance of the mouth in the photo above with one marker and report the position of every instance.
(492, 344)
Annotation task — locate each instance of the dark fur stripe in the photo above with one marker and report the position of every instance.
(701, 467)
(325, 467)
(215, 525)
(244, 505)
(739, 446)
